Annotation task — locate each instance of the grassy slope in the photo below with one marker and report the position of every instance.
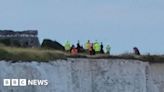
(29, 54)
(36, 54)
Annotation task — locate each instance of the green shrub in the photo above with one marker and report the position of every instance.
(6, 42)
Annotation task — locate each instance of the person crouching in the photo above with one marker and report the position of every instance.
(74, 50)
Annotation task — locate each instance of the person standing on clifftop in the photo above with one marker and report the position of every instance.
(96, 47)
(102, 50)
(67, 46)
(87, 45)
(108, 48)
(78, 46)
(91, 50)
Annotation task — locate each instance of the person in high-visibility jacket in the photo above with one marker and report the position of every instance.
(97, 47)
(87, 45)
(67, 46)
(108, 49)
(94, 44)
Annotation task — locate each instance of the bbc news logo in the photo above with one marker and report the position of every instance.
(24, 82)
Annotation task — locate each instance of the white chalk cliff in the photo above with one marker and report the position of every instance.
(86, 75)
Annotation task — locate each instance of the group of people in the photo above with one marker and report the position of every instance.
(89, 47)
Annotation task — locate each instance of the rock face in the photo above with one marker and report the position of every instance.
(157, 74)
(85, 75)
(26, 38)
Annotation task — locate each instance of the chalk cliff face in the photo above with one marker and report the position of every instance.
(86, 75)
(157, 74)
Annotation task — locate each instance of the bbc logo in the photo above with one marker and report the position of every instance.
(14, 82)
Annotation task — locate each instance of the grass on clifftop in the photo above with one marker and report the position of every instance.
(29, 54)
(38, 54)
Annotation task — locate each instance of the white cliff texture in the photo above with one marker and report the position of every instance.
(85, 75)
(157, 74)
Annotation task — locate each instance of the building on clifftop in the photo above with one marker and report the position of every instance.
(27, 38)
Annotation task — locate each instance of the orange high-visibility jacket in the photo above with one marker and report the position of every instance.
(74, 51)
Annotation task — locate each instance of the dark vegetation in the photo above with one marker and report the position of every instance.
(49, 44)
(8, 42)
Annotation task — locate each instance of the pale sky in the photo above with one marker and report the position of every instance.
(121, 23)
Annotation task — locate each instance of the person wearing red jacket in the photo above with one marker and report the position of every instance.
(74, 51)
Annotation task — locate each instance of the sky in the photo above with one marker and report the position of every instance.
(121, 23)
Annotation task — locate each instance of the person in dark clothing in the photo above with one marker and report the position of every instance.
(136, 51)
(92, 51)
(72, 47)
(78, 46)
(102, 50)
